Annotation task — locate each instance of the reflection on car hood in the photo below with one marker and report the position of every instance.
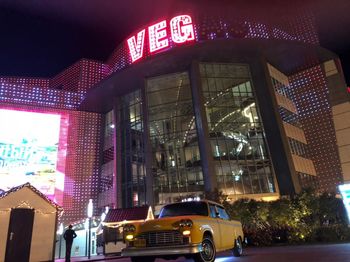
(166, 223)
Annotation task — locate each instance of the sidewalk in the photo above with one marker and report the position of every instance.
(92, 258)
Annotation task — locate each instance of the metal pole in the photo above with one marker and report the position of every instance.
(89, 242)
(86, 241)
(59, 248)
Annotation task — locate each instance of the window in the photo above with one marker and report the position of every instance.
(185, 208)
(212, 210)
(222, 213)
(173, 136)
(236, 134)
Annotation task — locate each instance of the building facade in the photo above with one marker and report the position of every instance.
(192, 104)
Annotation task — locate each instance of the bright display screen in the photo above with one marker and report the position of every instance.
(345, 193)
(28, 150)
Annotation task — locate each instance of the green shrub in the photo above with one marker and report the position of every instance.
(268, 235)
(307, 217)
(333, 233)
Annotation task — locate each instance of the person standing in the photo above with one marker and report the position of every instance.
(69, 235)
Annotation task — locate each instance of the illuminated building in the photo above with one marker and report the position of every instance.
(193, 103)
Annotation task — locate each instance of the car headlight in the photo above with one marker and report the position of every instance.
(186, 232)
(129, 237)
(186, 223)
(129, 228)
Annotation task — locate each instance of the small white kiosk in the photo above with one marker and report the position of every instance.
(28, 225)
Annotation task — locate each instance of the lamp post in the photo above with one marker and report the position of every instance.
(60, 232)
(86, 227)
(103, 217)
(89, 213)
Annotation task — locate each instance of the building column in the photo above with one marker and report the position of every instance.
(282, 162)
(147, 149)
(117, 155)
(207, 163)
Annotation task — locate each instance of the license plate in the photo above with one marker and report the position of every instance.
(140, 243)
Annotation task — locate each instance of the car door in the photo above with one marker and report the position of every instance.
(226, 228)
(215, 226)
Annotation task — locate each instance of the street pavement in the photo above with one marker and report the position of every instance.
(298, 253)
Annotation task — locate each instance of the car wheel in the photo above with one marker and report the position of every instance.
(208, 251)
(142, 259)
(238, 247)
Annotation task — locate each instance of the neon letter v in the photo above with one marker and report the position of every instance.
(136, 46)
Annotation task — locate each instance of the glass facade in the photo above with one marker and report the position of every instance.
(106, 179)
(132, 165)
(240, 160)
(238, 144)
(176, 163)
(297, 147)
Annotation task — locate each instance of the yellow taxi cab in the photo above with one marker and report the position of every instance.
(196, 229)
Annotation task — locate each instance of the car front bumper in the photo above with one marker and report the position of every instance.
(161, 251)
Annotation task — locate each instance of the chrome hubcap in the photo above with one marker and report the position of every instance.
(208, 251)
(239, 246)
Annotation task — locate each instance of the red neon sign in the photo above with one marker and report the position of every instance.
(157, 36)
(136, 46)
(181, 31)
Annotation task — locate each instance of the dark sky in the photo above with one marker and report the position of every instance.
(39, 38)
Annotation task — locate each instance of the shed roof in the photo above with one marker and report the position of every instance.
(36, 191)
(122, 214)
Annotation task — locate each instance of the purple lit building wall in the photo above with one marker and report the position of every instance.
(79, 138)
(108, 149)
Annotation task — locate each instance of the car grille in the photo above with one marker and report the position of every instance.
(163, 238)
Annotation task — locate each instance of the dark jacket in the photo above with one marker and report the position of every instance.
(69, 235)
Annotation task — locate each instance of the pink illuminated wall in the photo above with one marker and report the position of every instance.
(79, 133)
(311, 95)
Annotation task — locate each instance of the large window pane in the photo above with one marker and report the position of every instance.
(236, 133)
(175, 155)
(130, 128)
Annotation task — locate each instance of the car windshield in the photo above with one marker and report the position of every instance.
(185, 208)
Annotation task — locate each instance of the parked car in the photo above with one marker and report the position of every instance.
(196, 229)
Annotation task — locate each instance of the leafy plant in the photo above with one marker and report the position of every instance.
(306, 217)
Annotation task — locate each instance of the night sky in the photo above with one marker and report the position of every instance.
(40, 38)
